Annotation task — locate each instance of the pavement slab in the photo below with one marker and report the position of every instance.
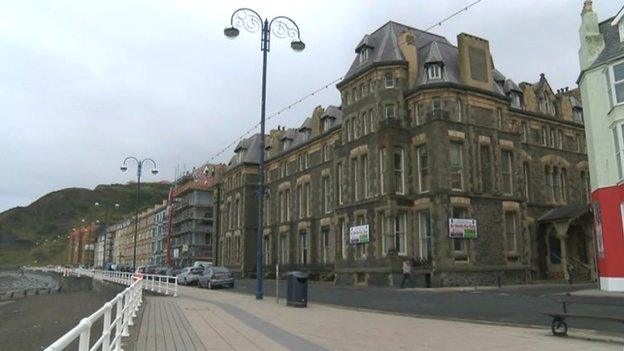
(224, 320)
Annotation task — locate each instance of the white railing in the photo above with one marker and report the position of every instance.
(162, 284)
(125, 305)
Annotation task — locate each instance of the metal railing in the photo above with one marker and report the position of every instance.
(125, 305)
(162, 284)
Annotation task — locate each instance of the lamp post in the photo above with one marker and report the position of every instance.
(138, 196)
(104, 251)
(281, 27)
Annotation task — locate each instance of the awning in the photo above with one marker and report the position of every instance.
(568, 212)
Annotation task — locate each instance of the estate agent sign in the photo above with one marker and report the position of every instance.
(358, 234)
(460, 228)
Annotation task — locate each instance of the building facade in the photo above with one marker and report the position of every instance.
(119, 235)
(602, 89)
(159, 235)
(82, 243)
(193, 217)
(433, 156)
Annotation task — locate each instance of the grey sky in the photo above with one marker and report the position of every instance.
(84, 83)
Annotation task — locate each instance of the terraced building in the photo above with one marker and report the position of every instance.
(434, 156)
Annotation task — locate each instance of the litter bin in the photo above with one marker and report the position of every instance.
(297, 289)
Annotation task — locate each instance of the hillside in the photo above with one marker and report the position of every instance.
(39, 231)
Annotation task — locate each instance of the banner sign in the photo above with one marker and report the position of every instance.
(460, 228)
(358, 234)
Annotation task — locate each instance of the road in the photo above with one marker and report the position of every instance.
(517, 305)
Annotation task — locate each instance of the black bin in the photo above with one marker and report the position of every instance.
(297, 289)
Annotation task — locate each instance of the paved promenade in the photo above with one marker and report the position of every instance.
(223, 320)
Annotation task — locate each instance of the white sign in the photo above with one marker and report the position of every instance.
(460, 228)
(359, 234)
(88, 247)
(176, 253)
(184, 248)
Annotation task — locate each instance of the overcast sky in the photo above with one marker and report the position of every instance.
(85, 83)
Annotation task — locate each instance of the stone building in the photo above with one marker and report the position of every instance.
(434, 156)
(159, 235)
(144, 236)
(120, 233)
(123, 244)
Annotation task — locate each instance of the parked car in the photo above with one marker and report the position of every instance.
(190, 275)
(216, 277)
(204, 264)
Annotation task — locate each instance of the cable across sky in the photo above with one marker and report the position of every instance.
(326, 86)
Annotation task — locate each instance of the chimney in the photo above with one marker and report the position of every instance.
(406, 44)
(587, 7)
(592, 42)
(475, 61)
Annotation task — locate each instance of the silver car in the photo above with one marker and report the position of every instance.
(190, 275)
(216, 277)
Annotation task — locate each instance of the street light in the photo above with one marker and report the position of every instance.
(281, 27)
(138, 196)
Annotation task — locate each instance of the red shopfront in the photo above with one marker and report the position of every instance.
(608, 208)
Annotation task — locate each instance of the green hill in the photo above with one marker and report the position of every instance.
(39, 231)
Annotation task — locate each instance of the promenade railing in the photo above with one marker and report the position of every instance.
(162, 284)
(117, 316)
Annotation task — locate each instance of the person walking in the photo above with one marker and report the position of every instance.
(407, 272)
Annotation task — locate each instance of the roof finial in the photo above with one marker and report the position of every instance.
(587, 7)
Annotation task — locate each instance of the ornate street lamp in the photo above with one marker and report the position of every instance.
(281, 27)
(138, 196)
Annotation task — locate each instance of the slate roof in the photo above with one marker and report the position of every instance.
(433, 54)
(430, 48)
(614, 48)
(251, 151)
(385, 46)
(510, 85)
(307, 124)
(448, 56)
(333, 111)
(565, 212)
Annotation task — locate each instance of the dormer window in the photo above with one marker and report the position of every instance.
(327, 123)
(364, 54)
(434, 72)
(516, 100)
(306, 133)
(240, 155)
(287, 144)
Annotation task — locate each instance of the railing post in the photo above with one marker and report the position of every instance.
(126, 315)
(175, 292)
(106, 330)
(159, 283)
(85, 335)
(119, 325)
(140, 293)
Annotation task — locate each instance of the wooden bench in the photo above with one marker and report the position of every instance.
(559, 327)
